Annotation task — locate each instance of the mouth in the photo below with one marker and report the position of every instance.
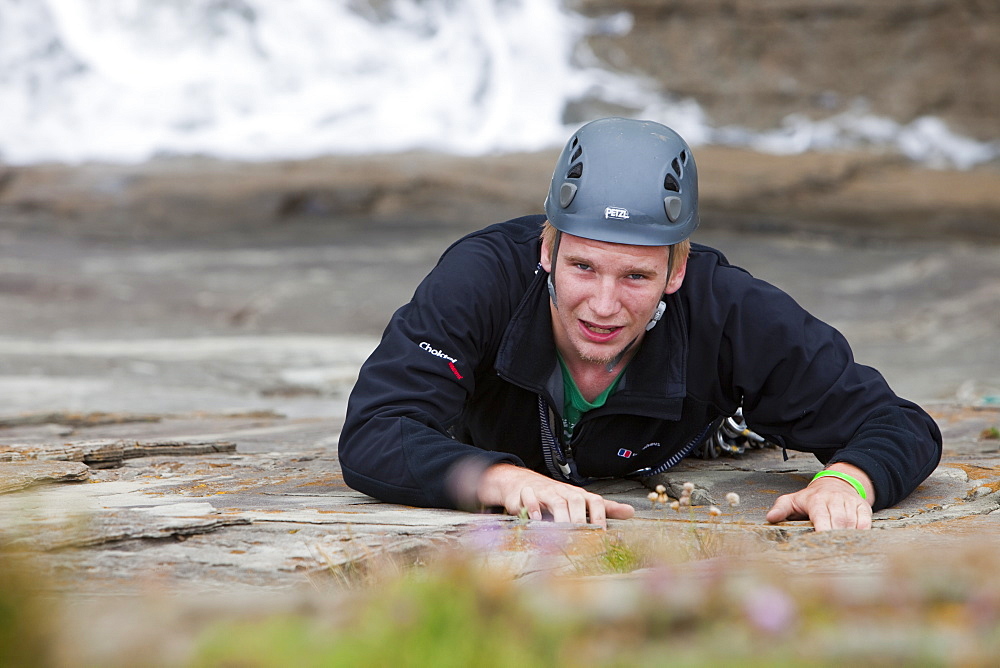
(599, 332)
(598, 329)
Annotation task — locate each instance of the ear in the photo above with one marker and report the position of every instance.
(676, 279)
(546, 259)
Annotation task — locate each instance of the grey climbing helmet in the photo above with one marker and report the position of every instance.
(625, 181)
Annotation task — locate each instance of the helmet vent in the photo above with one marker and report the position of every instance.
(670, 183)
(620, 180)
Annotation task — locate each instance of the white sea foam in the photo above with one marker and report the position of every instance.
(125, 80)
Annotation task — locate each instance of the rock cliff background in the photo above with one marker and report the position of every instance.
(753, 62)
(197, 324)
(107, 271)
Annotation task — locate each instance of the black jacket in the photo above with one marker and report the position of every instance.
(460, 371)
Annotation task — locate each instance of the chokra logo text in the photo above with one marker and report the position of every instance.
(437, 353)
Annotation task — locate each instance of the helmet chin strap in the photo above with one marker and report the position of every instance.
(660, 308)
(616, 360)
(552, 273)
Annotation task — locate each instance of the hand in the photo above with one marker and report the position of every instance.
(829, 502)
(514, 488)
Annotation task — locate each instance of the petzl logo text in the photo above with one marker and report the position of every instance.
(616, 212)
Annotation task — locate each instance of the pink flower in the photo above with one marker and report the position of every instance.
(487, 537)
(769, 609)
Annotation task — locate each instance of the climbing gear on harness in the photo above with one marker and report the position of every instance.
(731, 437)
(559, 458)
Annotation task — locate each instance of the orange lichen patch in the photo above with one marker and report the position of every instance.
(993, 486)
(585, 544)
(265, 414)
(327, 480)
(976, 472)
(72, 419)
(971, 526)
(958, 413)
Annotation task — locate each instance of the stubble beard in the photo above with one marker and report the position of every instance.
(603, 360)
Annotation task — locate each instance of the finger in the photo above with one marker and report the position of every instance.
(557, 507)
(822, 518)
(578, 509)
(856, 516)
(843, 515)
(783, 509)
(618, 511)
(595, 507)
(864, 516)
(528, 501)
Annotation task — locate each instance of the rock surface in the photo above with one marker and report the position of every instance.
(868, 194)
(181, 336)
(754, 62)
(276, 512)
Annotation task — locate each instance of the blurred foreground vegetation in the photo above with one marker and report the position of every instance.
(27, 629)
(454, 614)
(452, 609)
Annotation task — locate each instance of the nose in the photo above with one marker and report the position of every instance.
(605, 302)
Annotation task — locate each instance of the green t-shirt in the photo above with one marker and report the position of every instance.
(574, 405)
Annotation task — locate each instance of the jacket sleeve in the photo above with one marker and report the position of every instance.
(799, 384)
(395, 444)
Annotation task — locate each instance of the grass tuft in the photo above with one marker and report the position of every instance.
(26, 629)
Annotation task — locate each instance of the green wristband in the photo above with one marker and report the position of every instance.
(854, 482)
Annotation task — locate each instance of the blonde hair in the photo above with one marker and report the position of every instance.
(681, 250)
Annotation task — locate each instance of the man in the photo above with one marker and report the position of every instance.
(595, 341)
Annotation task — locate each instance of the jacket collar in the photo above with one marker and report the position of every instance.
(654, 383)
